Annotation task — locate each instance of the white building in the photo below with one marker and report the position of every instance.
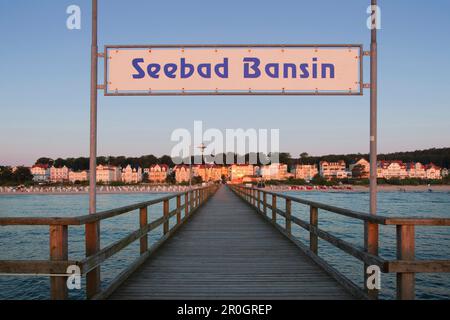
(131, 175)
(59, 174)
(40, 172)
(108, 174)
(333, 170)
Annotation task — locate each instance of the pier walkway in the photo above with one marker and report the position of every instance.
(227, 242)
(228, 251)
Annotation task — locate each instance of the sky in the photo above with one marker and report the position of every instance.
(45, 70)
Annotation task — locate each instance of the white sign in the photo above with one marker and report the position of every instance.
(174, 70)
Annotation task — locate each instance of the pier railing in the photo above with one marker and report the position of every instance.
(405, 266)
(57, 266)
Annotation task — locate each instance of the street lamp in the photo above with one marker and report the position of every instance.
(202, 147)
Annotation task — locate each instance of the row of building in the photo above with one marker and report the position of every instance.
(243, 172)
(104, 174)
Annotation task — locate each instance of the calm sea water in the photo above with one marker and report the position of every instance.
(32, 242)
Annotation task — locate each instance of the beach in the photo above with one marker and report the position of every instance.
(173, 188)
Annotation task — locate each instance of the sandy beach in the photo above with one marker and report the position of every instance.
(168, 189)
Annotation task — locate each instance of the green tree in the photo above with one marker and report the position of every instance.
(22, 175)
(171, 178)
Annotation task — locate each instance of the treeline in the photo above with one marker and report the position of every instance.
(440, 157)
(18, 176)
(82, 163)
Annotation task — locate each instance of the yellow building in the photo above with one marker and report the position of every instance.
(238, 171)
(305, 171)
(80, 176)
(158, 172)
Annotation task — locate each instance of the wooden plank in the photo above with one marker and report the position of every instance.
(425, 266)
(35, 267)
(58, 252)
(405, 251)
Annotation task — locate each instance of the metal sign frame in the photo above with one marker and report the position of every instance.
(108, 92)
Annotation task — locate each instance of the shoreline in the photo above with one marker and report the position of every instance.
(352, 188)
(280, 188)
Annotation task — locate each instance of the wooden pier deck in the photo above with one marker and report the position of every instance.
(228, 251)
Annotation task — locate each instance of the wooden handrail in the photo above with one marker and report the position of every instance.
(57, 266)
(405, 266)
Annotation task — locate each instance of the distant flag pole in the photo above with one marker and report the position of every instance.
(93, 229)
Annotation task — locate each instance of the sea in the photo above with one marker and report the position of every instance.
(32, 242)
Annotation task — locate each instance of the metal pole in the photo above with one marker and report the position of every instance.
(373, 118)
(371, 229)
(93, 229)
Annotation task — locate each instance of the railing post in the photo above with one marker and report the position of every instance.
(405, 251)
(186, 204)
(288, 216)
(265, 203)
(371, 231)
(143, 222)
(314, 223)
(179, 209)
(191, 201)
(253, 197)
(166, 216)
(58, 252)
(92, 236)
(259, 200)
(274, 208)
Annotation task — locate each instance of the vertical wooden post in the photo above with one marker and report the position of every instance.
(259, 200)
(265, 203)
(179, 209)
(405, 251)
(288, 216)
(186, 204)
(166, 216)
(143, 222)
(274, 208)
(92, 238)
(371, 246)
(191, 201)
(58, 252)
(314, 223)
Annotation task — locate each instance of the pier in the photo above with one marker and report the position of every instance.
(226, 242)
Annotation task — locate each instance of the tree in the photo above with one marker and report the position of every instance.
(171, 178)
(6, 175)
(45, 161)
(318, 180)
(59, 163)
(167, 160)
(22, 175)
(197, 180)
(304, 155)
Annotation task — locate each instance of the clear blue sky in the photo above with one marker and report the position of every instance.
(44, 83)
